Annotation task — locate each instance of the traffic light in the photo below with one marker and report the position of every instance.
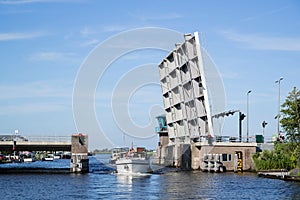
(242, 116)
(264, 123)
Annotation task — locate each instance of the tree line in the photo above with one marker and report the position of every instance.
(286, 155)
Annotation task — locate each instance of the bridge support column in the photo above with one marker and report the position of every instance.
(79, 150)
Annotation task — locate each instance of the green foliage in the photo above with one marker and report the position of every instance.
(102, 151)
(290, 121)
(282, 157)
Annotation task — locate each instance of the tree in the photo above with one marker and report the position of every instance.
(284, 155)
(290, 121)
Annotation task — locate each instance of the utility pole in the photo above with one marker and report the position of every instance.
(278, 115)
(248, 114)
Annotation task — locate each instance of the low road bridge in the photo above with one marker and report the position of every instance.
(38, 143)
(77, 144)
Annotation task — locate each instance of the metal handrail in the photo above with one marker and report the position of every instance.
(48, 138)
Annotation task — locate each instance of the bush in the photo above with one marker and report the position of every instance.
(282, 157)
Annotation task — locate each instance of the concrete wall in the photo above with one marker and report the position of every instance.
(165, 156)
(79, 151)
(164, 139)
(195, 157)
(248, 149)
(185, 162)
(188, 156)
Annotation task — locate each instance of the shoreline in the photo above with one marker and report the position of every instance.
(278, 174)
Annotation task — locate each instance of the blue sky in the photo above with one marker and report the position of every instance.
(44, 42)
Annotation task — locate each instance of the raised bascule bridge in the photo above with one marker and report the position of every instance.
(194, 105)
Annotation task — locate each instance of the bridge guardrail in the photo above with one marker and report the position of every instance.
(48, 138)
(19, 138)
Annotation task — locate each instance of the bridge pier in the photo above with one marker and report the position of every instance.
(79, 154)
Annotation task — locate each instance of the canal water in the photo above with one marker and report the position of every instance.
(101, 183)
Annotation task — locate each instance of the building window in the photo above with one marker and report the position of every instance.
(226, 157)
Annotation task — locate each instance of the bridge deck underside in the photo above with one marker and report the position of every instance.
(37, 147)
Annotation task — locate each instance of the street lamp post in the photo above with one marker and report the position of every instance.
(248, 114)
(278, 115)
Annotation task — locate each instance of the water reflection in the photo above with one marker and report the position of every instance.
(129, 184)
(124, 179)
(129, 179)
(199, 185)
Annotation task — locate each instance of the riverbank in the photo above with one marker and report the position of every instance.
(279, 174)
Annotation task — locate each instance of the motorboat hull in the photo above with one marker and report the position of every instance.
(130, 165)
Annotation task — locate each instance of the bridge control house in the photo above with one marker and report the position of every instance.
(186, 134)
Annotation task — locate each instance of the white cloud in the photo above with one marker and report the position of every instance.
(264, 42)
(52, 56)
(39, 89)
(16, 2)
(7, 12)
(115, 28)
(165, 16)
(86, 31)
(19, 1)
(19, 36)
(265, 14)
(35, 97)
(92, 42)
(32, 108)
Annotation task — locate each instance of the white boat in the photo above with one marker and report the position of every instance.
(28, 160)
(134, 162)
(48, 159)
(56, 157)
(116, 154)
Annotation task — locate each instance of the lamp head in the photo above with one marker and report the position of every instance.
(280, 79)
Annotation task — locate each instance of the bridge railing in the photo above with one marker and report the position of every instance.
(48, 138)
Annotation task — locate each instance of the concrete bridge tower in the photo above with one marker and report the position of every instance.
(79, 153)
